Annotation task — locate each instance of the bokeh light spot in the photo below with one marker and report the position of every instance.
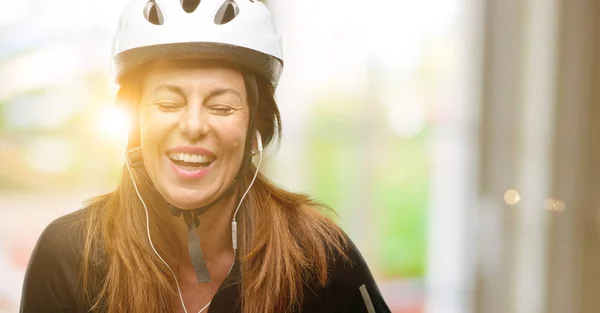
(554, 205)
(113, 124)
(512, 197)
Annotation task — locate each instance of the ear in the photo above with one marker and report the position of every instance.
(257, 146)
(134, 157)
(126, 101)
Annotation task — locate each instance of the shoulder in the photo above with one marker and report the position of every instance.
(351, 288)
(62, 238)
(53, 268)
(352, 271)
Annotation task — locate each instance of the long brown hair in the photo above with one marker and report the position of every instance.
(286, 242)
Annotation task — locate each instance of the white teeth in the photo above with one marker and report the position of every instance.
(190, 158)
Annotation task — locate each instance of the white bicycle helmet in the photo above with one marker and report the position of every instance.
(241, 31)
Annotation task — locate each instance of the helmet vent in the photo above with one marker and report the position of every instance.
(152, 13)
(227, 12)
(189, 6)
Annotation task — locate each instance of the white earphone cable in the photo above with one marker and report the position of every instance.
(152, 244)
(233, 221)
(233, 228)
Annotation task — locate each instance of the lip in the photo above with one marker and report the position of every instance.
(189, 175)
(190, 150)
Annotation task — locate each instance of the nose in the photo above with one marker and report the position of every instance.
(194, 121)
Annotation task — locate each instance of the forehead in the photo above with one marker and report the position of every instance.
(193, 75)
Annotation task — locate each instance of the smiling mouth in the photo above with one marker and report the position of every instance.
(190, 162)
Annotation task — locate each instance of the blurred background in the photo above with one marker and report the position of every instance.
(457, 139)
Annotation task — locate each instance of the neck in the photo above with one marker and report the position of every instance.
(214, 231)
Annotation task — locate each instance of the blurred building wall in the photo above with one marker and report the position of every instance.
(540, 137)
(574, 250)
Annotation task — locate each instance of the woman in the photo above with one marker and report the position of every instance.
(193, 226)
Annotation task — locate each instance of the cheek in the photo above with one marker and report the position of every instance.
(153, 129)
(146, 132)
(235, 137)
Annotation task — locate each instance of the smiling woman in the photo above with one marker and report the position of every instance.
(167, 239)
(193, 99)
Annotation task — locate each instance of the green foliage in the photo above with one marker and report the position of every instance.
(401, 193)
(348, 163)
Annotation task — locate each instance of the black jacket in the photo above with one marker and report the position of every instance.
(52, 277)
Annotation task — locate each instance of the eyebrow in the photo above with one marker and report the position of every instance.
(171, 88)
(213, 93)
(221, 91)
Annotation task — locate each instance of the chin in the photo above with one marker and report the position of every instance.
(188, 199)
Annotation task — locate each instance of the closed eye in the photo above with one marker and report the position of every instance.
(169, 106)
(222, 109)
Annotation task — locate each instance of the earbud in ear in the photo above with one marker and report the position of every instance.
(259, 141)
(259, 147)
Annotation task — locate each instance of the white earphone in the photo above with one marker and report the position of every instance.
(259, 142)
(233, 222)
